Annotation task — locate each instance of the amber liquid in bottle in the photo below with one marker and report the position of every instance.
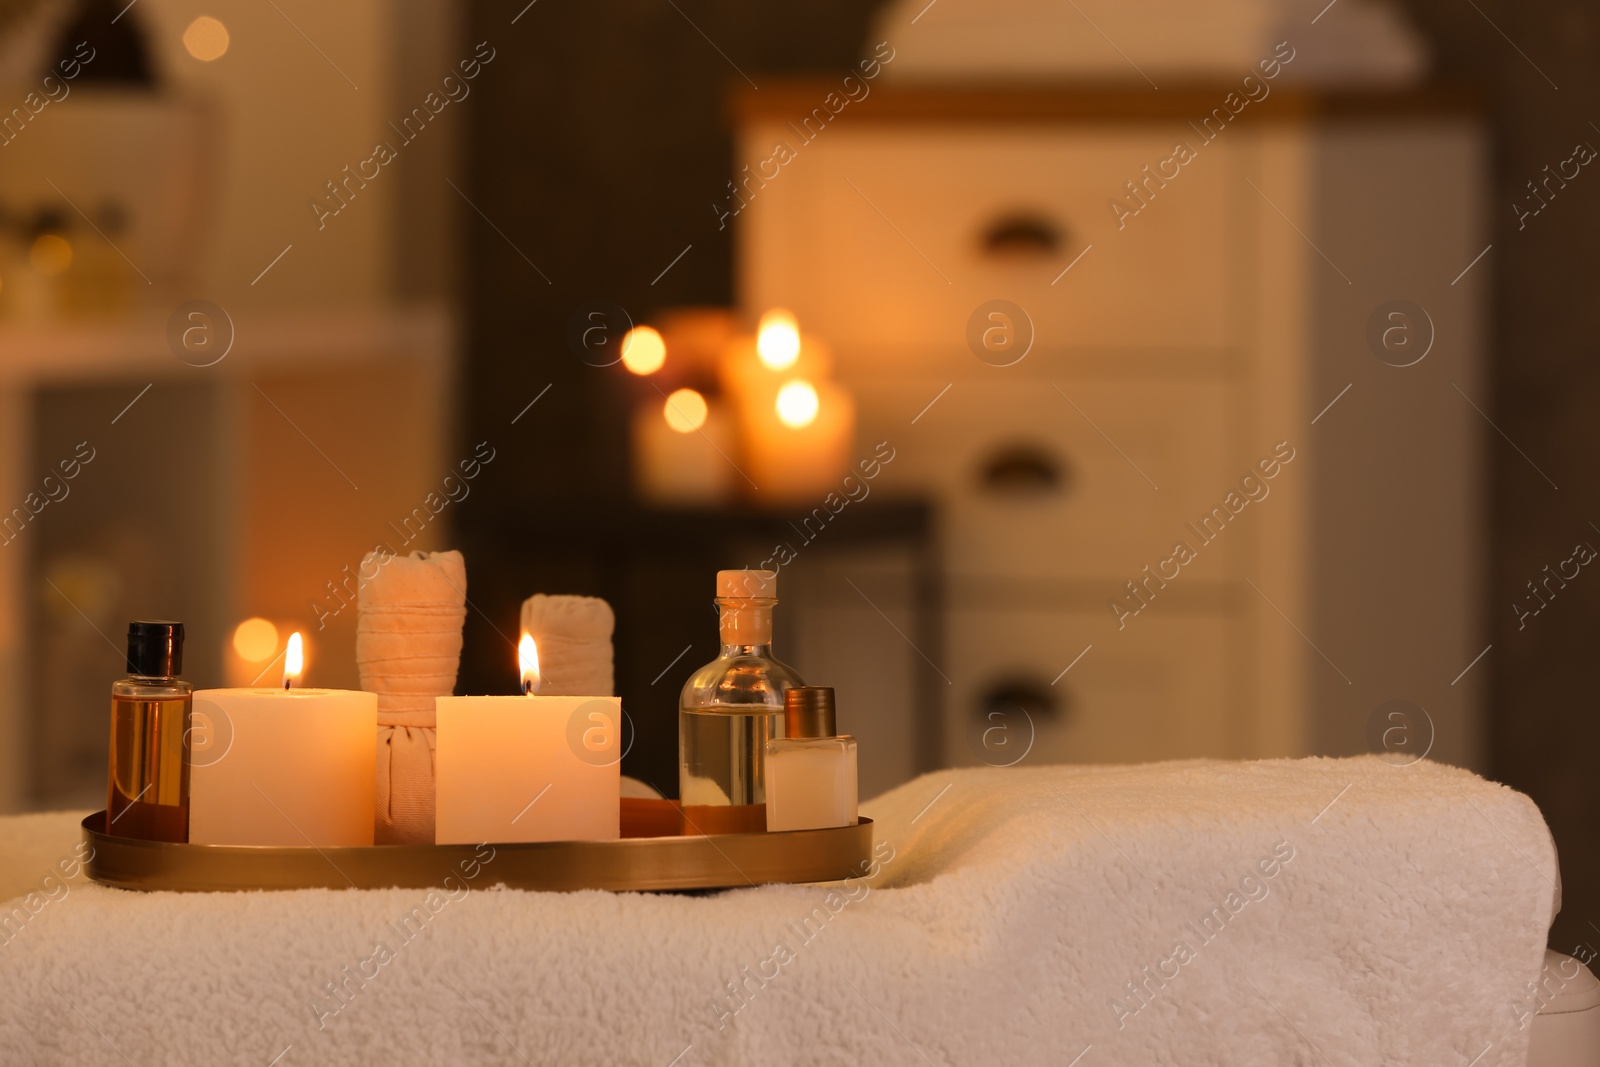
(148, 795)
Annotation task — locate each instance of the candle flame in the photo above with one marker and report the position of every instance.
(798, 403)
(778, 339)
(644, 350)
(528, 661)
(294, 659)
(686, 410)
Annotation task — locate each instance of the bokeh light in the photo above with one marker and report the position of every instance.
(643, 350)
(256, 640)
(685, 410)
(797, 404)
(206, 39)
(778, 339)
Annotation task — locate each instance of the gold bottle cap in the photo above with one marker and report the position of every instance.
(808, 712)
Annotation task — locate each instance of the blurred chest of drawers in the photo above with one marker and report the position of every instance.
(1168, 333)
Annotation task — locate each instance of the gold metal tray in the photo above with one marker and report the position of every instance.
(635, 862)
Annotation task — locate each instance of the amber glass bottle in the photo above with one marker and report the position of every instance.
(148, 791)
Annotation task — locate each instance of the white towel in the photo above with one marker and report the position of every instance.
(1009, 913)
(573, 637)
(408, 649)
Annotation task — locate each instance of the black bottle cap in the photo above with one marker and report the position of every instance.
(155, 648)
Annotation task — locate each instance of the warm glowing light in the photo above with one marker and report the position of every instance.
(643, 350)
(206, 39)
(50, 254)
(255, 640)
(778, 339)
(294, 659)
(797, 404)
(685, 410)
(528, 661)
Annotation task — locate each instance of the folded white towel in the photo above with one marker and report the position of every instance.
(573, 636)
(408, 649)
(1333, 912)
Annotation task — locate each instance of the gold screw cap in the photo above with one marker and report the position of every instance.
(808, 712)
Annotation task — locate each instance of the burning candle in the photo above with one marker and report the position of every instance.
(798, 426)
(683, 449)
(778, 339)
(529, 767)
(799, 447)
(285, 766)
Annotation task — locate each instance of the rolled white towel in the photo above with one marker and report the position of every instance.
(408, 649)
(573, 634)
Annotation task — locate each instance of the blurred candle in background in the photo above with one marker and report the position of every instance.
(798, 449)
(683, 450)
(797, 426)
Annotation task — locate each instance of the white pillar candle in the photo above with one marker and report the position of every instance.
(804, 459)
(527, 768)
(288, 767)
(801, 457)
(681, 459)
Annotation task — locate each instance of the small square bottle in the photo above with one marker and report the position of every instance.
(811, 773)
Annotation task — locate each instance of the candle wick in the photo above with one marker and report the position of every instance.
(286, 683)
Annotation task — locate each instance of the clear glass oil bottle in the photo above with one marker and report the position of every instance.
(728, 711)
(148, 787)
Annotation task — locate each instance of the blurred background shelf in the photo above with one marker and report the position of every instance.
(214, 494)
(262, 339)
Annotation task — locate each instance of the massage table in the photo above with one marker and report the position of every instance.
(1318, 911)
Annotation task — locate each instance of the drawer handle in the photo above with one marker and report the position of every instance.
(1023, 234)
(1023, 470)
(1009, 715)
(1010, 695)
